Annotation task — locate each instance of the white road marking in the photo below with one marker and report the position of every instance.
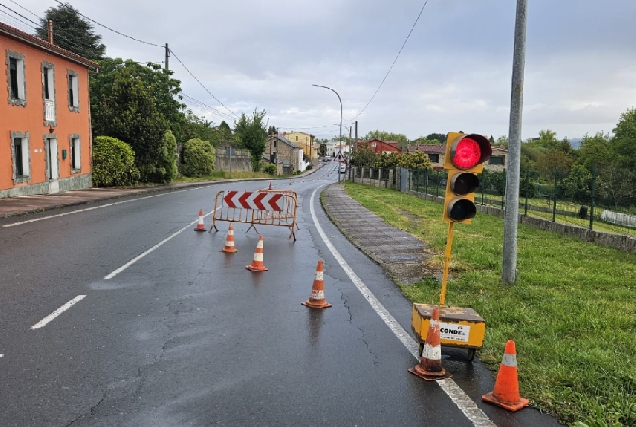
(456, 394)
(57, 312)
(93, 208)
(155, 247)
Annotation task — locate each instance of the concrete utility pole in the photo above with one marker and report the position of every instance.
(165, 64)
(509, 267)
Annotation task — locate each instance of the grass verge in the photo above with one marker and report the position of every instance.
(572, 312)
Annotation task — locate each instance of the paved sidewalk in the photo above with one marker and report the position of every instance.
(401, 254)
(12, 206)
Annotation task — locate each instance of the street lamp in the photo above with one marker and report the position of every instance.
(339, 99)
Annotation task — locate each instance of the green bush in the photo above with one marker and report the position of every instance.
(113, 163)
(198, 157)
(164, 169)
(310, 167)
(270, 169)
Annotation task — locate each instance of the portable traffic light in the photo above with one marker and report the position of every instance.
(465, 155)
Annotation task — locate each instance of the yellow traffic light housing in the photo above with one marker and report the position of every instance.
(465, 155)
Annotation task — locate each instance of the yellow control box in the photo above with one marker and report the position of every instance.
(459, 327)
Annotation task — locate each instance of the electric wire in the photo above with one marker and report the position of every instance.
(198, 81)
(394, 61)
(108, 28)
(24, 8)
(28, 28)
(204, 106)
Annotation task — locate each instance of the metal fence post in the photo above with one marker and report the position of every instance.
(526, 211)
(593, 196)
(436, 183)
(554, 199)
(503, 198)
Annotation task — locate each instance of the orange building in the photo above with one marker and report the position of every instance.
(45, 123)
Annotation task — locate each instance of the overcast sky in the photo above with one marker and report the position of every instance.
(453, 74)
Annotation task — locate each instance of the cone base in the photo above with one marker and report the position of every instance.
(229, 251)
(513, 407)
(429, 375)
(200, 229)
(256, 268)
(316, 303)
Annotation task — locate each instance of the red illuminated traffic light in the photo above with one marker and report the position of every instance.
(465, 155)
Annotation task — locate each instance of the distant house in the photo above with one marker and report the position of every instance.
(379, 146)
(305, 141)
(435, 152)
(283, 152)
(45, 125)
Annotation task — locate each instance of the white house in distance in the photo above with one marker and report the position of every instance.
(335, 147)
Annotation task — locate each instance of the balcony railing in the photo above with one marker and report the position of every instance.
(49, 110)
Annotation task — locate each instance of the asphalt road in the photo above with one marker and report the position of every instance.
(166, 330)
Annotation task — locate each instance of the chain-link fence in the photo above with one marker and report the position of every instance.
(559, 198)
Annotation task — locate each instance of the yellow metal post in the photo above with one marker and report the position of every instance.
(449, 244)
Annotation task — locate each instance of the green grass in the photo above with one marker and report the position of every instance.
(572, 312)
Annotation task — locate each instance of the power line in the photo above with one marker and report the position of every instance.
(31, 27)
(198, 81)
(394, 61)
(108, 28)
(24, 8)
(17, 13)
(201, 104)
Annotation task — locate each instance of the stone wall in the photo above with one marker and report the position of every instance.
(241, 160)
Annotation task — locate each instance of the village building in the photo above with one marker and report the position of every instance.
(45, 123)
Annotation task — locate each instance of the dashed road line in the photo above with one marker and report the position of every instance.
(57, 312)
(456, 394)
(155, 247)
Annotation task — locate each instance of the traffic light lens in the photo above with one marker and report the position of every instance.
(464, 183)
(461, 209)
(467, 153)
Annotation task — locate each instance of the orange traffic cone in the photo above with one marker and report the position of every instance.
(257, 263)
(229, 241)
(430, 367)
(317, 298)
(506, 392)
(270, 185)
(200, 226)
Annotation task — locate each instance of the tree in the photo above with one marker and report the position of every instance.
(441, 137)
(198, 127)
(389, 160)
(128, 112)
(251, 134)
(416, 160)
(502, 140)
(595, 151)
(199, 157)
(322, 149)
(71, 32)
(113, 163)
(617, 184)
(364, 157)
(272, 130)
(161, 87)
(624, 142)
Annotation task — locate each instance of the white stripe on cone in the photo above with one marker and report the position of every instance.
(258, 256)
(432, 353)
(509, 360)
(319, 275)
(317, 294)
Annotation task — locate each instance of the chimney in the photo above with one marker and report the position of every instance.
(50, 31)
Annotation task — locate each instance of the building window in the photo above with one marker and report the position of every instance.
(48, 92)
(20, 154)
(76, 158)
(73, 91)
(274, 143)
(296, 138)
(17, 85)
(496, 160)
(434, 158)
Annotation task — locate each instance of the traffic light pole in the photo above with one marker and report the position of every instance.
(509, 265)
(447, 255)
